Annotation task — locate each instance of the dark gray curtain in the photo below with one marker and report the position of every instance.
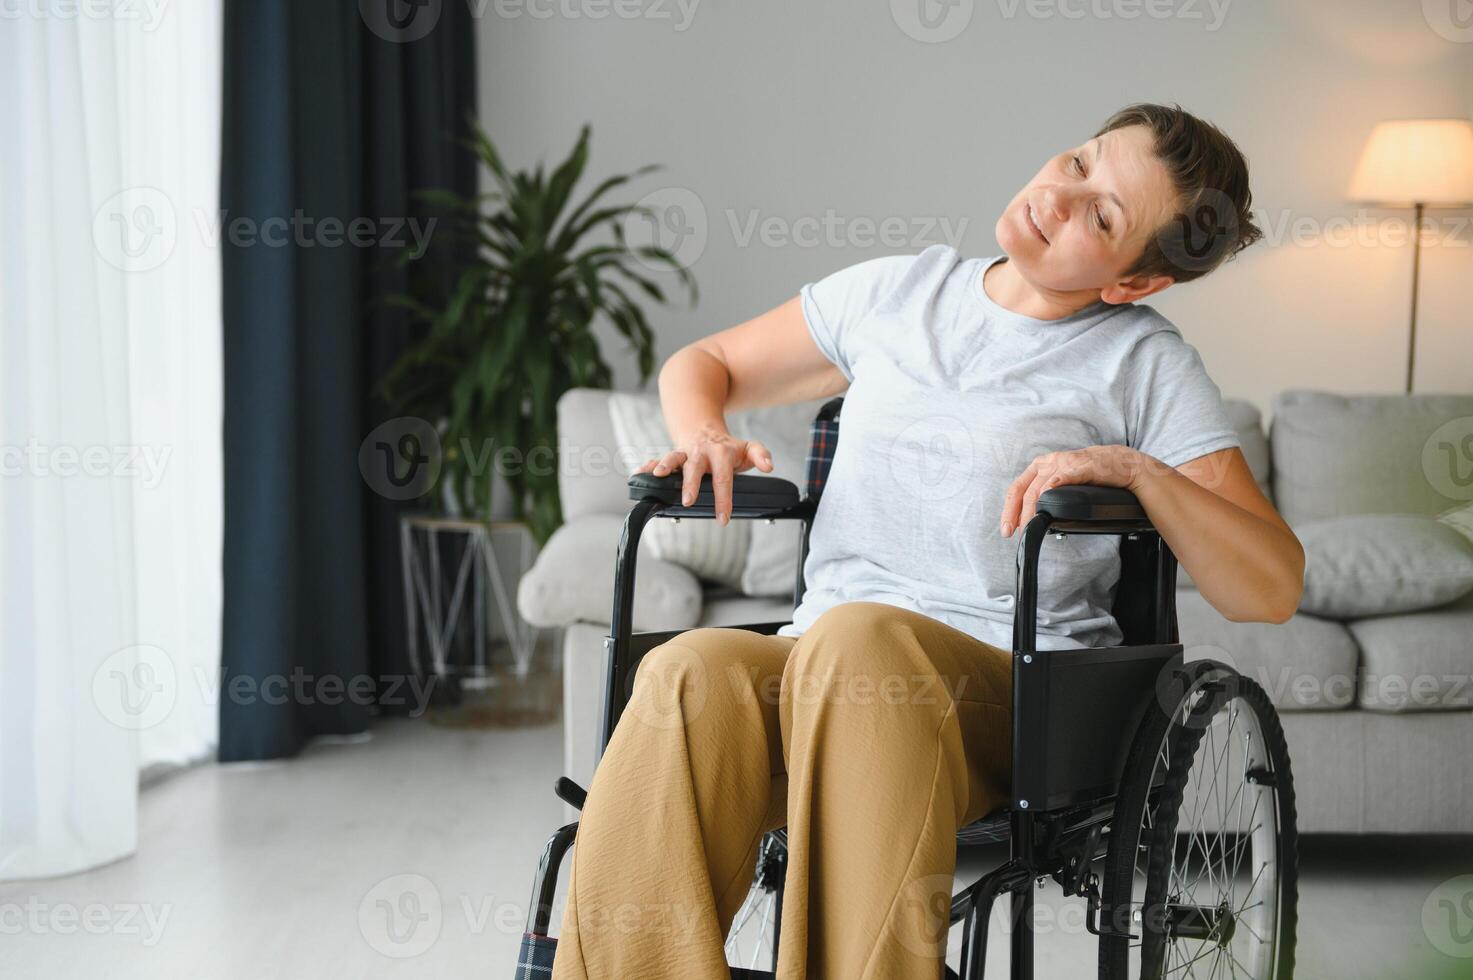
(334, 111)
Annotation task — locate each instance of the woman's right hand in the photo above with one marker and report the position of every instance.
(719, 453)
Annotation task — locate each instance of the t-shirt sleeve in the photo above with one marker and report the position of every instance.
(837, 306)
(1174, 410)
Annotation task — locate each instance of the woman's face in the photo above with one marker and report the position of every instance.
(1095, 207)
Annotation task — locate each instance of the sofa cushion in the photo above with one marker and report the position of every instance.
(1369, 454)
(1419, 661)
(1375, 564)
(572, 580)
(1304, 664)
(590, 477)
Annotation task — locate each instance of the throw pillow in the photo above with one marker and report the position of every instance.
(758, 558)
(1460, 519)
(1376, 564)
(703, 546)
(772, 559)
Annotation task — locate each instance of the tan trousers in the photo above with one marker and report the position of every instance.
(874, 736)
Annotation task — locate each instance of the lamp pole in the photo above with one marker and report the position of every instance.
(1416, 272)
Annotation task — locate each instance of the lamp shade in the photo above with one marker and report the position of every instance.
(1416, 161)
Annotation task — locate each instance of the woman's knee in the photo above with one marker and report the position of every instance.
(862, 653)
(873, 635)
(703, 671)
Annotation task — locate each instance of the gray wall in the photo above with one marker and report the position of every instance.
(814, 117)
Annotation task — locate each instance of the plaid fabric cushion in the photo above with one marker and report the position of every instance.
(824, 438)
(534, 959)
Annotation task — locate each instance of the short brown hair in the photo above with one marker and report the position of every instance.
(1211, 223)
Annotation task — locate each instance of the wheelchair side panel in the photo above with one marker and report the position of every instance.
(1074, 715)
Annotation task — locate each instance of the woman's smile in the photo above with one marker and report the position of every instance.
(1032, 219)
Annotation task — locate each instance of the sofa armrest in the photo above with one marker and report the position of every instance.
(572, 580)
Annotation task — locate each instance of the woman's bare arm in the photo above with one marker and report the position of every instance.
(1241, 554)
(1243, 557)
(768, 360)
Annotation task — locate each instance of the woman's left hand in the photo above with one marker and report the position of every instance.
(1108, 466)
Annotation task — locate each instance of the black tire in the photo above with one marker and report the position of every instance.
(1145, 870)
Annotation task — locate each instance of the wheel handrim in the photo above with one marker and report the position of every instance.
(1217, 897)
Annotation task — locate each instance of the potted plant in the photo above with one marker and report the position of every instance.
(514, 331)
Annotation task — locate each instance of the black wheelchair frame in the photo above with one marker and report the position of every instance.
(1063, 787)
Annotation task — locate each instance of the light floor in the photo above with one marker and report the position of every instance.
(300, 869)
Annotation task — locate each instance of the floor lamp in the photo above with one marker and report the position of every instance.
(1418, 164)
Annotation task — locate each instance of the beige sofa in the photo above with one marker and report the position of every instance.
(1369, 754)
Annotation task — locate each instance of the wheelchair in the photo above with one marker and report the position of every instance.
(1156, 789)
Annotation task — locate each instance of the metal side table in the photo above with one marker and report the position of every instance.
(497, 668)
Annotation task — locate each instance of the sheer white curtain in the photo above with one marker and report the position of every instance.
(110, 407)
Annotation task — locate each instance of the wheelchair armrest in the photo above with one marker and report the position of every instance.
(750, 495)
(1086, 502)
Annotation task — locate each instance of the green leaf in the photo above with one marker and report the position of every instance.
(560, 187)
(502, 333)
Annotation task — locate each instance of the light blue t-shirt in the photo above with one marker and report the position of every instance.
(950, 397)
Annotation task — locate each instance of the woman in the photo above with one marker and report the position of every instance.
(878, 722)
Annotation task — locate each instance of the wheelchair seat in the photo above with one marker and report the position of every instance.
(991, 829)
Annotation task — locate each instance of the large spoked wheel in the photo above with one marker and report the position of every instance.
(1201, 871)
(752, 941)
